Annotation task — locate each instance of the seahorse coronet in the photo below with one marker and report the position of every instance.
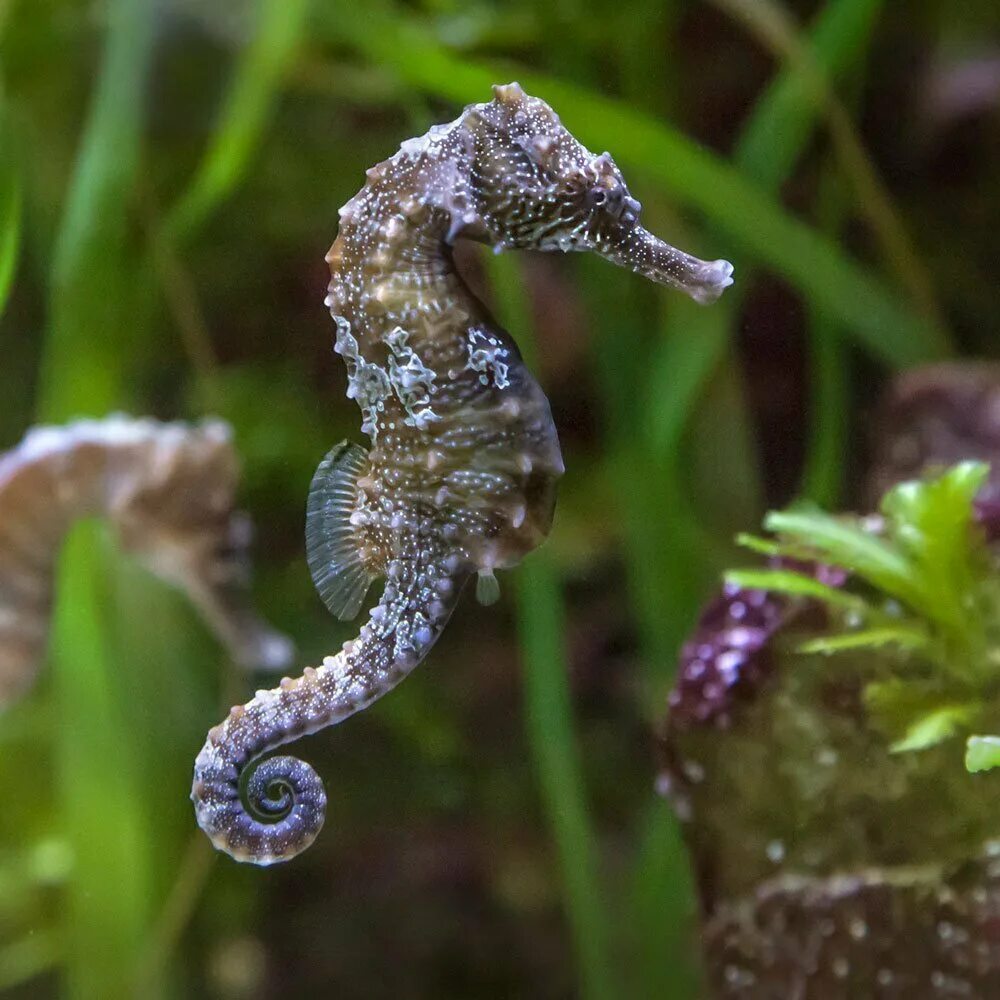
(461, 474)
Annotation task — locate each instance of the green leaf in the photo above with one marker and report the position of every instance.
(549, 720)
(933, 728)
(982, 753)
(251, 95)
(915, 714)
(763, 546)
(842, 542)
(10, 224)
(907, 637)
(784, 117)
(931, 520)
(783, 581)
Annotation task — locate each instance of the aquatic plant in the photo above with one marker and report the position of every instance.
(921, 580)
(810, 744)
(460, 478)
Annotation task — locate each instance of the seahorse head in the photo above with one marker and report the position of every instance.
(538, 188)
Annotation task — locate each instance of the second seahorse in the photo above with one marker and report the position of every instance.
(460, 477)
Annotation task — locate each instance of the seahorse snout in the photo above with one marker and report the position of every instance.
(716, 277)
(642, 252)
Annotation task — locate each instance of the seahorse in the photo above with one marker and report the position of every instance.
(460, 476)
(167, 490)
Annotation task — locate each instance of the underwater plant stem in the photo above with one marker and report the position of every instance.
(773, 27)
(192, 874)
(10, 211)
(101, 786)
(252, 93)
(280, 25)
(828, 403)
(663, 906)
(549, 714)
(181, 295)
(552, 741)
(87, 352)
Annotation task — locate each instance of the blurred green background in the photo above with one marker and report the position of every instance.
(170, 172)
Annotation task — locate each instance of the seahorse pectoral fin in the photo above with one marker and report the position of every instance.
(332, 545)
(642, 252)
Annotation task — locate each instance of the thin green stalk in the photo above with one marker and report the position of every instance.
(10, 214)
(827, 432)
(553, 742)
(828, 399)
(549, 717)
(780, 125)
(252, 93)
(247, 106)
(89, 326)
(771, 23)
(88, 348)
(101, 779)
(192, 874)
(664, 909)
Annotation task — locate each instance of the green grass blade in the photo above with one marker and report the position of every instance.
(10, 221)
(772, 24)
(89, 343)
(665, 910)
(871, 638)
(781, 123)
(91, 319)
(784, 117)
(849, 546)
(829, 405)
(110, 892)
(244, 114)
(549, 715)
(982, 753)
(550, 733)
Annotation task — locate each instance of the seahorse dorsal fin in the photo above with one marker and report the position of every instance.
(332, 548)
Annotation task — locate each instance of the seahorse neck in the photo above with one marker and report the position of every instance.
(392, 262)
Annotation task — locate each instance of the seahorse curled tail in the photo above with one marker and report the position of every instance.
(285, 802)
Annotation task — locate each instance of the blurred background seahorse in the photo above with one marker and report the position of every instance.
(168, 490)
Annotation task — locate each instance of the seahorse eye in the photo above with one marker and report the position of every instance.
(613, 202)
